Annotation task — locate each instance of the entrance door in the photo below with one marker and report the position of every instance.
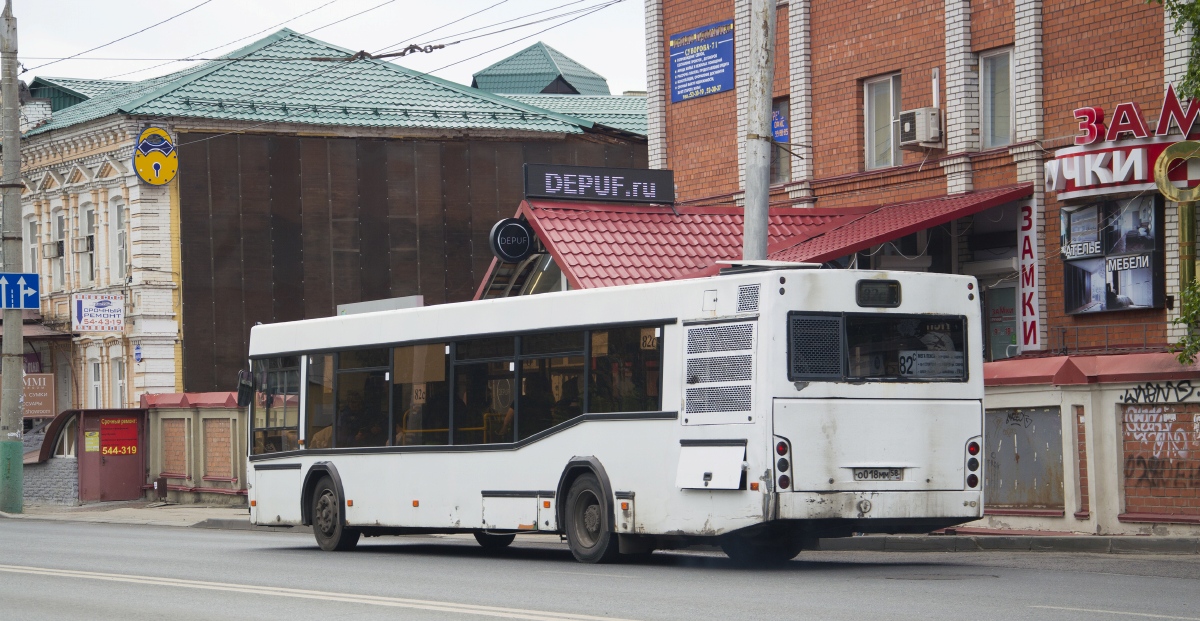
(111, 455)
(1000, 313)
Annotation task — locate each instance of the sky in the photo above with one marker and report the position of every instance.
(610, 41)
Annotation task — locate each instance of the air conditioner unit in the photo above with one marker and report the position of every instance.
(83, 244)
(920, 128)
(52, 250)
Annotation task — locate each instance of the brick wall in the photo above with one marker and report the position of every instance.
(991, 24)
(1162, 459)
(1085, 505)
(218, 448)
(174, 446)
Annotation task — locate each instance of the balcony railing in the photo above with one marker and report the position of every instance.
(1108, 338)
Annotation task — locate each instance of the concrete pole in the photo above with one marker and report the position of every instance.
(12, 477)
(758, 128)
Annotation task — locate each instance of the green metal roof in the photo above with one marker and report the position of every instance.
(283, 79)
(533, 69)
(79, 86)
(627, 113)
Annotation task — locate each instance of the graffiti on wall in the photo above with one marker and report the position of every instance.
(1162, 450)
(1160, 392)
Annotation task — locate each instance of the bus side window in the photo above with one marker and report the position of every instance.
(276, 405)
(484, 385)
(362, 398)
(420, 395)
(625, 368)
(318, 405)
(551, 382)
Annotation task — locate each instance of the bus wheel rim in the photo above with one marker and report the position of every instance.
(326, 510)
(588, 519)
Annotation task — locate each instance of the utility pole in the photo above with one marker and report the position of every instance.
(759, 140)
(12, 477)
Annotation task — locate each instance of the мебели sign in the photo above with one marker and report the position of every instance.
(617, 185)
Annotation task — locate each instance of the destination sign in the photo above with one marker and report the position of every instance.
(617, 185)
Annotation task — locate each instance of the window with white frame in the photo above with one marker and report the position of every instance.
(86, 246)
(781, 159)
(66, 440)
(881, 120)
(119, 242)
(118, 382)
(996, 98)
(94, 375)
(31, 246)
(54, 249)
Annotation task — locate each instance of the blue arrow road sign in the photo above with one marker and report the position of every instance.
(19, 291)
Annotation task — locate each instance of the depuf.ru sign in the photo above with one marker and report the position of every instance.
(1119, 156)
(97, 312)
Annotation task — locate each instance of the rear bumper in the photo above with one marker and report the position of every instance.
(954, 505)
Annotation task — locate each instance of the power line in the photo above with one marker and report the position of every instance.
(481, 27)
(290, 19)
(387, 2)
(122, 38)
(487, 8)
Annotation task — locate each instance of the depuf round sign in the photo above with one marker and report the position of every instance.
(512, 240)
(155, 157)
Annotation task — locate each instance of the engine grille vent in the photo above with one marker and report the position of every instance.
(720, 369)
(747, 299)
(720, 338)
(814, 346)
(719, 399)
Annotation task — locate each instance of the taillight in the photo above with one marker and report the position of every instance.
(972, 480)
(973, 448)
(972, 464)
(782, 464)
(785, 481)
(780, 448)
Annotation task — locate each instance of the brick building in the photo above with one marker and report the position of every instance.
(1079, 272)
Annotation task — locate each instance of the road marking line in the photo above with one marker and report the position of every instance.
(588, 573)
(1118, 612)
(397, 602)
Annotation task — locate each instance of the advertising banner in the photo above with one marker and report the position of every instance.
(38, 395)
(118, 436)
(1030, 281)
(702, 61)
(1112, 257)
(97, 312)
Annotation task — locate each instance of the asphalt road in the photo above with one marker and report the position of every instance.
(56, 570)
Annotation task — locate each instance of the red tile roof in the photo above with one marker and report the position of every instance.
(1110, 369)
(600, 245)
(894, 221)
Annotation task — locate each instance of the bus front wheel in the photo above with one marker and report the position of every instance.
(329, 520)
(589, 531)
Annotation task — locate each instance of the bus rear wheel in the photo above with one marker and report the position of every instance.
(763, 548)
(329, 520)
(492, 541)
(589, 531)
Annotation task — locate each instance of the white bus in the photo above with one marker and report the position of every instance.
(758, 410)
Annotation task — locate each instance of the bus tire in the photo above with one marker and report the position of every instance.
(589, 533)
(760, 548)
(329, 519)
(492, 541)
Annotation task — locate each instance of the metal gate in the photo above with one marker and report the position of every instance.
(1024, 465)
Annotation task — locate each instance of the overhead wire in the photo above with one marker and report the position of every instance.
(155, 25)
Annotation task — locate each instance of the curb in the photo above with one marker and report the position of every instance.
(1015, 543)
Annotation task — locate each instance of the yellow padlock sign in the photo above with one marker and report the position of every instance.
(155, 158)
(1185, 197)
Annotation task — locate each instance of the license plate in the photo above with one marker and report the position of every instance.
(878, 474)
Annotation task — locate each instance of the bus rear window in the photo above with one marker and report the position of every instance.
(905, 347)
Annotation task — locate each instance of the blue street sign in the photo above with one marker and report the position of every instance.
(19, 291)
(137, 352)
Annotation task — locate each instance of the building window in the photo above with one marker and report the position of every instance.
(31, 247)
(781, 159)
(118, 383)
(997, 98)
(55, 250)
(881, 116)
(66, 440)
(120, 246)
(95, 393)
(86, 247)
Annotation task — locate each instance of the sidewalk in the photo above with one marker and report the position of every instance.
(977, 540)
